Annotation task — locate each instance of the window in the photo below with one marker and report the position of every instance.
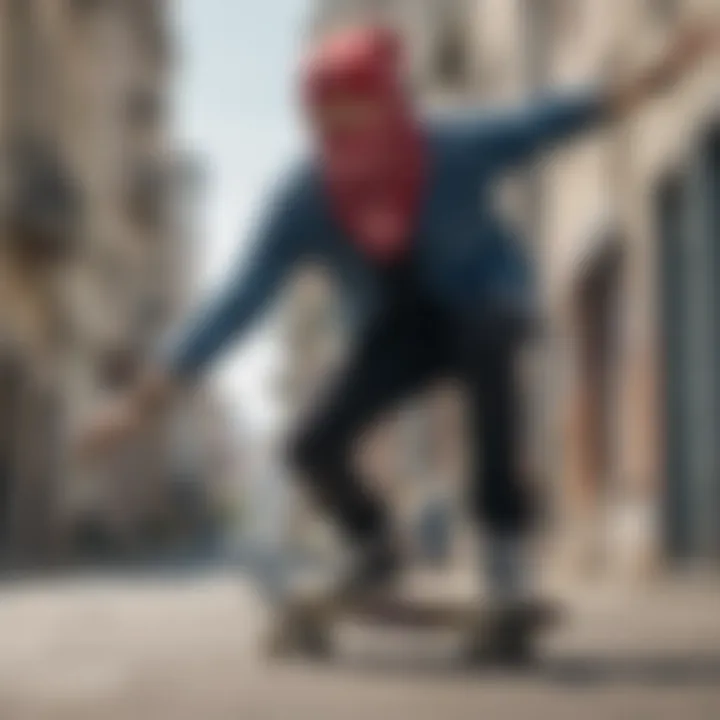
(451, 66)
(144, 108)
(664, 11)
(150, 25)
(44, 202)
(22, 61)
(146, 194)
(82, 7)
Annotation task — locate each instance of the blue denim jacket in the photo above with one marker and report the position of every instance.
(464, 254)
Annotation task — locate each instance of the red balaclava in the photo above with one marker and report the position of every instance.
(374, 174)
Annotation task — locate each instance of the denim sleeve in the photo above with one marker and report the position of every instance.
(516, 136)
(244, 294)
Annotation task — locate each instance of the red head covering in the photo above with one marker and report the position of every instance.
(374, 172)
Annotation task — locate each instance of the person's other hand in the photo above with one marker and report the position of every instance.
(121, 420)
(113, 425)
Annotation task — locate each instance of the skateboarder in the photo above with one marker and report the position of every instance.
(398, 207)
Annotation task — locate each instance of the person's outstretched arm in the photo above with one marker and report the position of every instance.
(244, 294)
(517, 136)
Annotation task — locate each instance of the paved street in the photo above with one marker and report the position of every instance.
(186, 649)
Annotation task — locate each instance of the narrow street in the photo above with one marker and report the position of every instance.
(187, 648)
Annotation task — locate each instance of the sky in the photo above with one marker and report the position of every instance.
(235, 112)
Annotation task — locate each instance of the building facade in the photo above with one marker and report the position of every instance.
(93, 266)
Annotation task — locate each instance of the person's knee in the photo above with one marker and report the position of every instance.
(300, 451)
(311, 451)
(505, 508)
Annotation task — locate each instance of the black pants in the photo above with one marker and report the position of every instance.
(411, 344)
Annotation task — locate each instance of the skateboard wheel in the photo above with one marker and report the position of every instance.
(506, 637)
(517, 651)
(312, 641)
(294, 638)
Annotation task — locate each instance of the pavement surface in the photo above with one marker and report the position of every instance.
(188, 648)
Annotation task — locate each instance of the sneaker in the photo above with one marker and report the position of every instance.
(501, 640)
(374, 569)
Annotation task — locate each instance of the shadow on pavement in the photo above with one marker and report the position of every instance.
(673, 670)
(572, 671)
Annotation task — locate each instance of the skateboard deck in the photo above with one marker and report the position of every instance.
(304, 625)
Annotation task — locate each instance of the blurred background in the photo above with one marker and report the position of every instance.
(137, 138)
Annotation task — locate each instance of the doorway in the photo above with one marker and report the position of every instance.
(598, 313)
(674, 310)
(10, 392)
(687, 210)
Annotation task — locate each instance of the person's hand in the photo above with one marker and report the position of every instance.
(693, 44)
(112, 427)
(123, 419)
(690, 46)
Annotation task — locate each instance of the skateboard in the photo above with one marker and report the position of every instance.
(490, 632)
